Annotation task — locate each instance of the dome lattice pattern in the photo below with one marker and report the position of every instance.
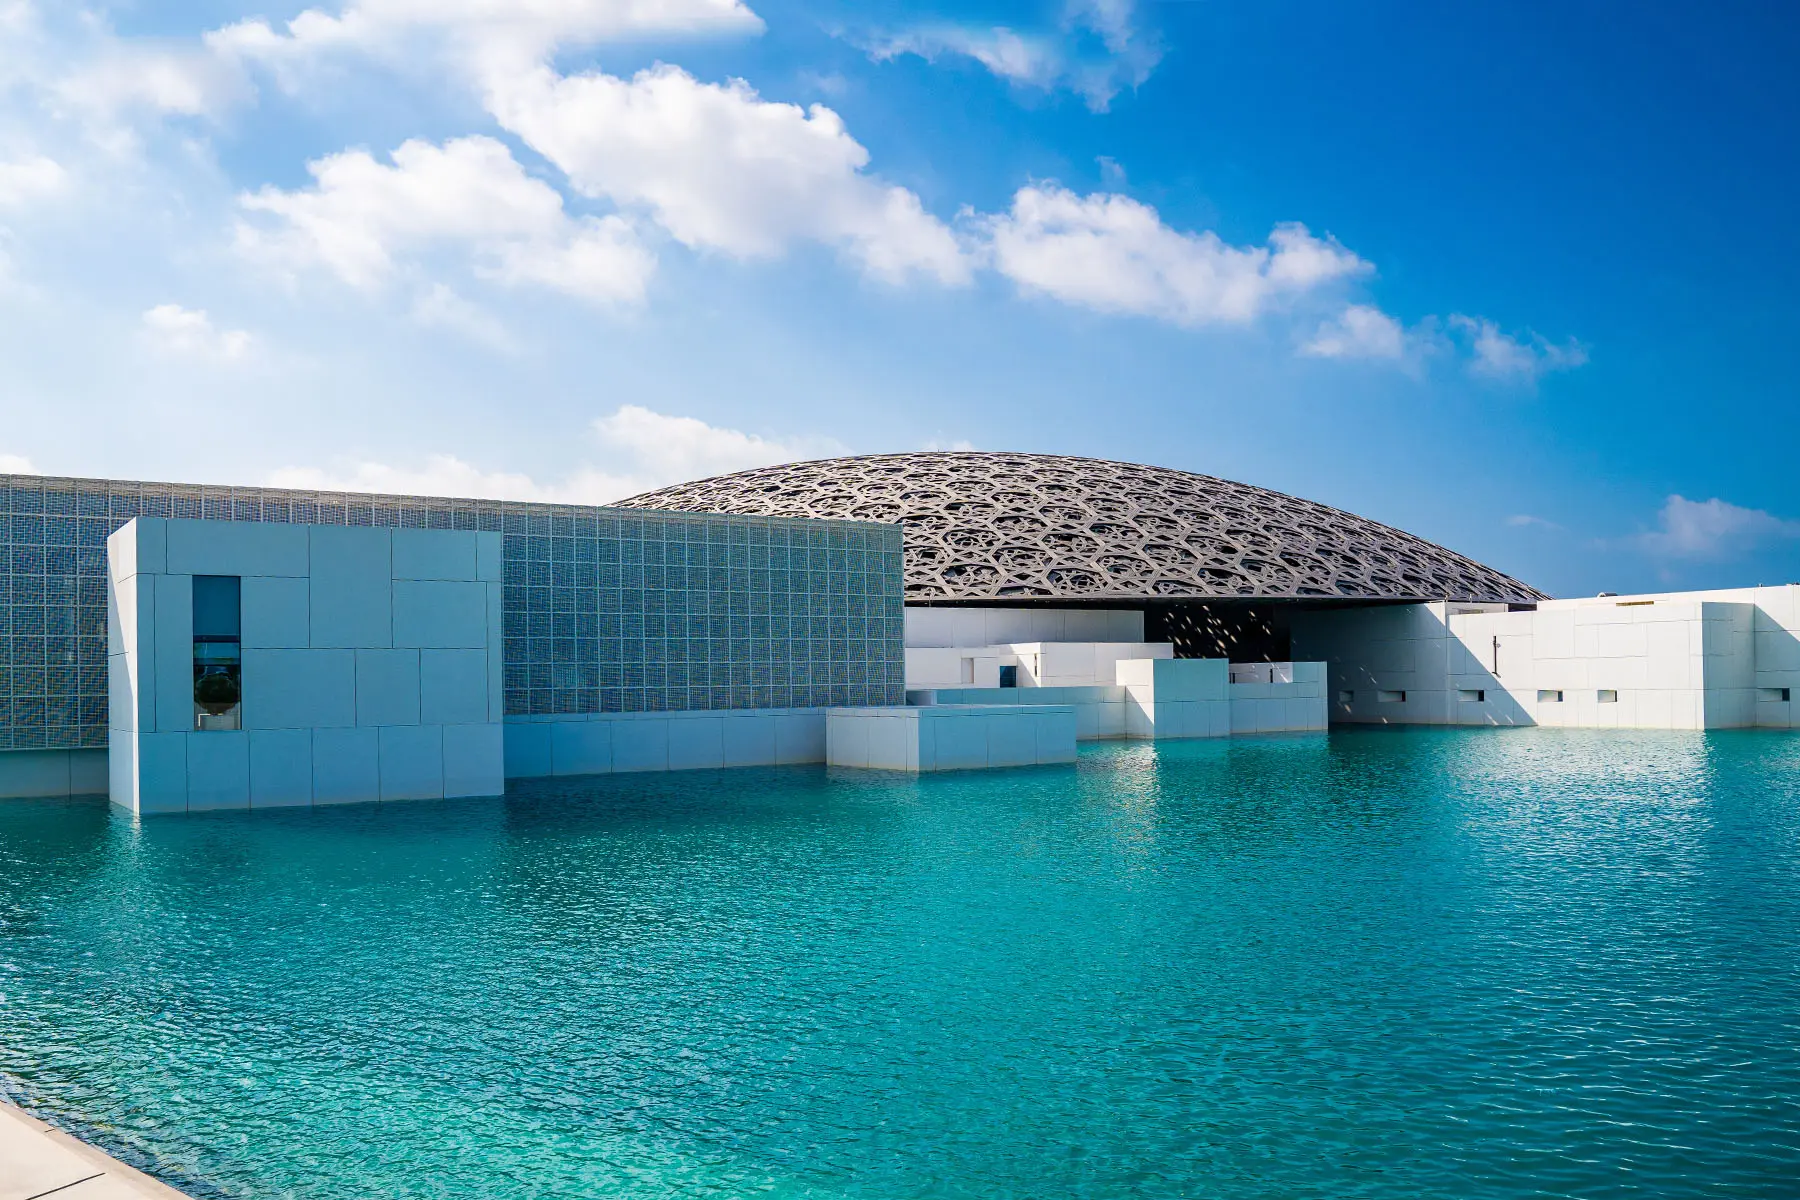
(1011, 527)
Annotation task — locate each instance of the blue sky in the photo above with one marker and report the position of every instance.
(1514, 277)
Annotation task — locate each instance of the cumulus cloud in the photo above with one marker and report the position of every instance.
(27, 179)
(1712, 529)
(490, 30)
(172, 329)
(363, 217)
(1360, 331)
(1097, 50)
(17, 464)
(1499, 355)
(1111, 253)
(722, 169)
(634, 448)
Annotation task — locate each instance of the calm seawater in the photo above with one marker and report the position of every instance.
(1402, 963)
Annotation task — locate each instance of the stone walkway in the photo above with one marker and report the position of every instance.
(38, 1160)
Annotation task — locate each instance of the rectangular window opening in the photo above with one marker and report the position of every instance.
(218, 653)
(1549, 696)
(1009, 677)
(1346, 697)
(1472, 695)
(968, 670)
(1386, 697)
(1773, 695)
(1607, 696)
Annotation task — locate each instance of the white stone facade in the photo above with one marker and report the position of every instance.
(1695, 660)
(950, 737)
(371, 665)
(613, 743)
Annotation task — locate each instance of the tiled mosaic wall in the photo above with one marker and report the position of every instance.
(606, 610)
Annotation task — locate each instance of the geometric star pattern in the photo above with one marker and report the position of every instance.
(1021, 527)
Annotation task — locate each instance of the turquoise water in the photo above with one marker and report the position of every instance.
(1417, 963)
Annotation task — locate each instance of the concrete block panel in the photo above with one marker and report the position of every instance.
(641, 745)
(453, 686)
(29, 774)
(892, 743)
(162, 771)
(172, 653)
(439, 614)
(578, 747)
(281, 767)
(351, 595)
(387, 687)
(696, 743)
(276, 613)
(956, 741)
(346, 766)
(299, 689)
(487, 557)
(412, 762)
(528, 749)
(496, 662)
(1056, 734)
(847, 739)
(800, 737)
(121, 694)
(121, 770)
(218, 767)
(87, 772)
(474, 757)
(150, 546)
(122, 552)
(749, 739)
(236, 548)
(434, 554)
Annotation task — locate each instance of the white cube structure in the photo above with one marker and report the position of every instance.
(370, 665)
(950, 737)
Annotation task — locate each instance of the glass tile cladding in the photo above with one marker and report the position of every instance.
(604, 610)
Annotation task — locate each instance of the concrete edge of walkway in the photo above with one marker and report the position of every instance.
(60, 1166)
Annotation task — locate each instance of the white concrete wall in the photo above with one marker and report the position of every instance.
(609, 743)
(33, 774)
(1278, 697)
(1699, 660)
(950, 737)
(1000, 626)
(1176, 697)
(1099, 708)
(1040, 664)
(371, 665)
(955, 666)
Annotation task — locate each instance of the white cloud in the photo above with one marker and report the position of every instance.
(636, 450)
(1712, 529)
(1360, 331)
(438, 306)
(1499, 355)
(515, 31)
(948, 444)
(1097, 50)
(172, 329)
(721, 168)
(125, 79)
(1527, 521)
(363, 216)
(1111, 253)
(17, 464)
(26, 179)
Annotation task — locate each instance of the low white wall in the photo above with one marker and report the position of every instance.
(950, 737)
(32, 774)
(1099, 708)
(1278, 697)
(1176, 697)
(999, 626)
(608, 743)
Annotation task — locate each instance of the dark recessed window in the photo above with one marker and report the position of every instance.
(218, 653)
(1009, 677)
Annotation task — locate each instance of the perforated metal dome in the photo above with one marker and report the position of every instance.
(1025, 527)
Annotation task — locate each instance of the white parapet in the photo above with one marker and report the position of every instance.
(1175, 697)
(612, 743)
(950, 737)
(1099, 708)
(1285, 697)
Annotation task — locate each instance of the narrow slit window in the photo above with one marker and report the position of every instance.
(218, 653)
(1387, 697)
(1549, 696)
(1472, 695)
(1773, 695)
(1608, 696)
(1346, 697)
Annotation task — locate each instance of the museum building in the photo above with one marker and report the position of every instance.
(190, 647)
